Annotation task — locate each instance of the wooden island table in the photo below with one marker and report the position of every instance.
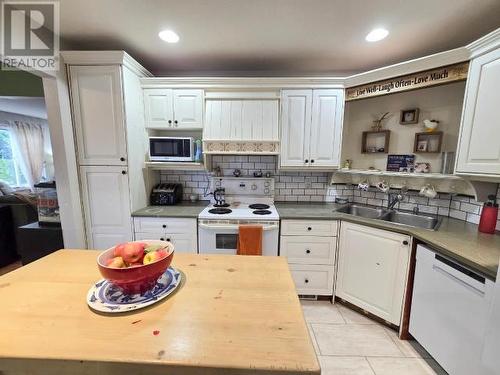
(232, 315)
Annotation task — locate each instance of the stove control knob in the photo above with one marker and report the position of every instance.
(266, 191)
(254, 187)
(266, 184)
(217, 183)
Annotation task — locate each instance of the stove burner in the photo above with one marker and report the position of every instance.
(262, 212)
(259, 206)
(221, 205)
(220, 211)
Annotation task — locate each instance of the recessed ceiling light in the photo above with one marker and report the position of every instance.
(376, 34)
(169, 36)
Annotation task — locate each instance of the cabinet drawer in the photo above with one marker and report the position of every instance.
(309, 227)
(164, 225)
(310, 279)
(183, 243)
(308, 249)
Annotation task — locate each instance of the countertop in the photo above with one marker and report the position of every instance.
(182, 209)
(232, 315)
(457, 239)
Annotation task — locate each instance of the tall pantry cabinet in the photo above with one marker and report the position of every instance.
(110, 138)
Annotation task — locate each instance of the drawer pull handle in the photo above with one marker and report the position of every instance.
(306, 281)
(308, 251)
(164, 225)
(309, 228)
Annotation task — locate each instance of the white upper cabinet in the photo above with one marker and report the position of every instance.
(97, 100)
(241, 120)
(188, 109)
(158, 108)
(296, 127)
(479, 142)
(173, 109)
(311, 128)
(326, 130)
(105, 195)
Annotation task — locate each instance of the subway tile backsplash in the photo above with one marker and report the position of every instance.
(315, 187)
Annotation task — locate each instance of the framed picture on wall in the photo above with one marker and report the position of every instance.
(422, 146)
(409, 116)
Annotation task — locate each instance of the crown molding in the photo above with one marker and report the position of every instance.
(409, 67)
(484, 44)
(246, 83)
(105, 58)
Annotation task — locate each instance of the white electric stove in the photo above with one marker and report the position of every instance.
(246, 201)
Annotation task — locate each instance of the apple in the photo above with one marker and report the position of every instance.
(116, 262)
(117, 252)
(133, 252)
(154, 256)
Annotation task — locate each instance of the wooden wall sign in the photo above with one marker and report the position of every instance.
(439, 76)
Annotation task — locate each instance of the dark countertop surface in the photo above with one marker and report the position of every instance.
(182, 209)
(457, 239)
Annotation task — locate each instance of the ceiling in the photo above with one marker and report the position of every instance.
(274, 37)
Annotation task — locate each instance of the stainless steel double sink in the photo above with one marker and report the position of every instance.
(394, 216)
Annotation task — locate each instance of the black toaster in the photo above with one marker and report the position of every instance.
(166, 194)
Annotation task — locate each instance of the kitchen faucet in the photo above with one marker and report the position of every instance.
(396, 198)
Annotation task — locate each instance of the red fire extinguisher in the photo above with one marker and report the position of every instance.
(489, 216)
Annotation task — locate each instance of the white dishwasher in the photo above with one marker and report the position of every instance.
(449, 311)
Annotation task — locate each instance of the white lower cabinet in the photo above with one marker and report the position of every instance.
(310, 248)
(372, 269)
(182, 232)
(105, 195)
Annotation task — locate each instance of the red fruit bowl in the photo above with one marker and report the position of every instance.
(136, 279)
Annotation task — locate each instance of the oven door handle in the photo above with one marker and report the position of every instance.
(235, 227)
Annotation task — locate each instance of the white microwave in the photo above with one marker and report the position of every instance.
(171, 149)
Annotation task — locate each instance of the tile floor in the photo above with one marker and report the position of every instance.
(348, 342)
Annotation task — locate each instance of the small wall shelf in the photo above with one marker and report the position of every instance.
(428, 142)
(443, 183)
(375, 172)
(181, 166)
(375, 142)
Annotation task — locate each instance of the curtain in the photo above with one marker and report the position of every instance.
(29, 141)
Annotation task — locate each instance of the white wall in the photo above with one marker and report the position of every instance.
(443, 103)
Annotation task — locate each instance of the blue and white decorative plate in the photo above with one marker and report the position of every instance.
(106, 297)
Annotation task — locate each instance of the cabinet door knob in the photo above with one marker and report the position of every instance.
(168, 239)
(176, 122)
(308, 251)
(124, 172)
(169, 121)
(162, 239)
(306, 281)
(309, 228)
(312, 160)
(122, 159)
(164, 225)
(405, 242)
(306, 161)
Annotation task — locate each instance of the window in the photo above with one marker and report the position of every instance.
(9, 167)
